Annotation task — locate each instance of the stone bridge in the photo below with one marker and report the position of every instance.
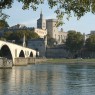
(13, 51)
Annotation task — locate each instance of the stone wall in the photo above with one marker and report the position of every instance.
(31, 60)
(87, 54)
(24, 61)
(20, 61)
(5, 63)
(62, 53)
(37, 44)
(56, 53)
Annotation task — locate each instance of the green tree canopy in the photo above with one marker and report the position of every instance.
(90, 43)
(78, 7)
(3, 24)
(74, 41)
(51, 41)
(18, 35)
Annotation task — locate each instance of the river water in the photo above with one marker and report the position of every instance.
(48, 79)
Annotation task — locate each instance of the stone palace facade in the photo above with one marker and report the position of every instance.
(52, 30)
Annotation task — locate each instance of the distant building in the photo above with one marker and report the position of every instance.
(92, 32)
(41, 26)
(61, 37)
(44, 27)
(87, 36)
(41, 22)
(42, 33)
(51, 28)
(18, 26)
(49, 25)
(39, 45)
(53, 31)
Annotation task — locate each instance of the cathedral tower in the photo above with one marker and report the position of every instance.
(41, 22)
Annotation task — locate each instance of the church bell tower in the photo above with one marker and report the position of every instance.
(41, 22)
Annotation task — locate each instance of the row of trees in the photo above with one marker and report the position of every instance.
(3, 24)
(76, 42)
(17, 36)
(90, 43)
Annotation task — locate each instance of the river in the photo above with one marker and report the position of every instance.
(48, 79)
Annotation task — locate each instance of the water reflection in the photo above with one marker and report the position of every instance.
(48, 79)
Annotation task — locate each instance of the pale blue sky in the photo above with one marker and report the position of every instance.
(29, 18)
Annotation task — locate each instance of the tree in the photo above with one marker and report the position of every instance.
(3, 24)
(3, 16)
(51, 41)
(74, 41)
(78, 7)
(7, 34)
(18, 35)
(90, 43)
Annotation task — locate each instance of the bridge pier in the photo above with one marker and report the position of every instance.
(21, 61)
(31, 60)
(5, 63)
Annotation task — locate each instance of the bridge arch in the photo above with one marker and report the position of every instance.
(21, 54)
(31, 54)
(6, 52)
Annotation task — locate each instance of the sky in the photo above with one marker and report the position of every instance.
(29, 17)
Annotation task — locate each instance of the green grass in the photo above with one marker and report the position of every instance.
(62, 60)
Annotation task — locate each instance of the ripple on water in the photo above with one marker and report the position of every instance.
(48, 79)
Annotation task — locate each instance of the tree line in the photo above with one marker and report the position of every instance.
(77, 42)
(16, 36)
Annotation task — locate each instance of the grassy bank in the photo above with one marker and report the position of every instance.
(62, 60)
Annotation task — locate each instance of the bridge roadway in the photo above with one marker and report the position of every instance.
(13, 51)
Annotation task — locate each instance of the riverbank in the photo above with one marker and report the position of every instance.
(71, 61)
